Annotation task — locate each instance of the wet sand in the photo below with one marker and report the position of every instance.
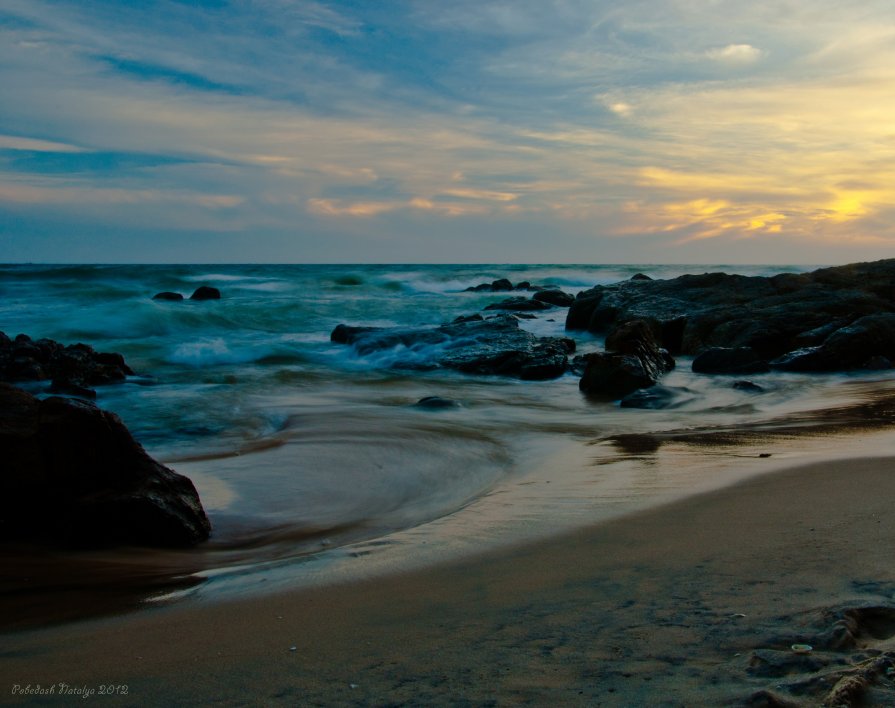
(694, 603)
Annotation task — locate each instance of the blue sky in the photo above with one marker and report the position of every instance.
(490, 131)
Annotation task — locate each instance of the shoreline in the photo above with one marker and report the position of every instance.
(695, 599)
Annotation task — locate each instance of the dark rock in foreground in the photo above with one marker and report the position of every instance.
(73, 369)
(72, 475)
(634, 362)
(493, 346)
(772, 315)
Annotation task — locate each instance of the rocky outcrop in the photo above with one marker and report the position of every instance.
(72, 475)
(634, 361)
(771, 315)
(867, 343)
(503, 285)
(492, 346)
(72, 369)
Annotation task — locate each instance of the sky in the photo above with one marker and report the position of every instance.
(469, 131)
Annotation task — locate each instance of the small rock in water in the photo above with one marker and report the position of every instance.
(436, 402)
(167, 295)
(205, 292)
(748, 386)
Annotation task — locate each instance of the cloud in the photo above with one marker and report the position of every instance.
(735, 54)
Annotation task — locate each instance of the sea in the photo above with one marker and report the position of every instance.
(314, 463)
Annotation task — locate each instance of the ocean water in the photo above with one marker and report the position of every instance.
(313, 462)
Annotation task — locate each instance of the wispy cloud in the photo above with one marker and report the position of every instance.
(659, 123)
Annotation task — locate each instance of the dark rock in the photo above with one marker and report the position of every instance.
(614, 375)
(436, 403)
(524, 285)
(749, 386)
(658, 398)
(73, 475)
(725, 360)
(640, 276)
(554, 297)
(167, 296)
(520, 304)
(772, 315)
(494, 346)
(205, 292)
(71, 368)
(868, 342)
(633, 362)
(496, 286)
(469, 318)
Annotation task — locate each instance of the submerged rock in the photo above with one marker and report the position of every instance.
(658, 397)
(521, 304)
(492, 346)
(167, 295)
(436, 403)
(73, 476)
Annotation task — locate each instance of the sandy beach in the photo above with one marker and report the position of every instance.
(694, 603)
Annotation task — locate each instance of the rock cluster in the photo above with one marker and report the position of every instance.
(72, 475)
(831, 319)
(203, 292)
(474, 345)
(72, 369)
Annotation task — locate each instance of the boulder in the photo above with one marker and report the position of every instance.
(492, 346)
(205, 292)
(554, 297)
(729, 360)
(634, 361)
(167, 295)
(73, 476)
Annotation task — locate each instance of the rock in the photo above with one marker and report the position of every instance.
(554, 297)
(493, 346)
(499, 285)
(436, 403)
(469, 318)
(635, 362)
(205, 292)
(748, 386)
(76, 367)
(730, 360)
(868, 342)
(658, 397)
(167, 295)
(772, 315)
(67, 388)
(521, 304)
(74, 476)
(640, 276)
